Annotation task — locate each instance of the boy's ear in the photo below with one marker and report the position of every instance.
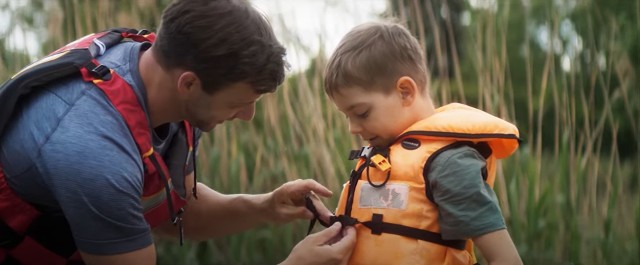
(407, 89)
(187, 82)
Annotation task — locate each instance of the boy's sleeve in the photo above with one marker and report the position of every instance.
(467, 206)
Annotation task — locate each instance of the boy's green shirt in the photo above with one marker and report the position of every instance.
(468, 207)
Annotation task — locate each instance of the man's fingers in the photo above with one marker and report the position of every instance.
(320, 238)
(323, 212)
(312, 185)
(348, 239)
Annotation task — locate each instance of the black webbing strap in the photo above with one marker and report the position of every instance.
(378, 227)
(176, 218)
(353, 182)
(343, 219)
(8, 237)
(316, 216)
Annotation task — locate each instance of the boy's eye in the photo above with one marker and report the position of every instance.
(363, 115)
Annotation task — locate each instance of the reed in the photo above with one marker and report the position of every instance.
(569, 196)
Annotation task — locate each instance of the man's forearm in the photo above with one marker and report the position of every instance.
(214, 214)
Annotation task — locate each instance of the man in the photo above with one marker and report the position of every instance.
(70, 151)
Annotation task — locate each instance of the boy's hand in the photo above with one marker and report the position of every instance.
(330, 246)
(287, 202)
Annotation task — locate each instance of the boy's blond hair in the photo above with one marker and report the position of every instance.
(373, 56)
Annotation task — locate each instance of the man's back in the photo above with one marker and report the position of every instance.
(66, 149)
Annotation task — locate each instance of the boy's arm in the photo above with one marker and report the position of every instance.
(498, 248)
(468, 206)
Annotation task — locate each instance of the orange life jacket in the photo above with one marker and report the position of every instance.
(390, 203)
(21, 223)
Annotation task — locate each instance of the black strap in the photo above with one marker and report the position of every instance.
(192, 153)
(482, 147)
(316, 216)
(343, 219)
(378, 227)
(176, 218)
(8, 237)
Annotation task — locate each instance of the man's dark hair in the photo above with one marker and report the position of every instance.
(221, 41)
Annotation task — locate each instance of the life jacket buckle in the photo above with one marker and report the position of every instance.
(365, 151)
(344, 220)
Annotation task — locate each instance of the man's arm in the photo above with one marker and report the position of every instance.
(144, 256)
(215, 214)
(498, 248)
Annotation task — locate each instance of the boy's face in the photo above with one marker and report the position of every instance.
(376, 117)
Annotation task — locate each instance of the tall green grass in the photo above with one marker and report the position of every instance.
(568, 199)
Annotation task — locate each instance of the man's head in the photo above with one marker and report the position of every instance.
(378, 78)
(219, 48)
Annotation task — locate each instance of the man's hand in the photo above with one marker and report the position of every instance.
(330, 246)
(287, 202)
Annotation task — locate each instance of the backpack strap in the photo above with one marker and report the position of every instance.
(17, 218)
(20, 222)
(63, 62)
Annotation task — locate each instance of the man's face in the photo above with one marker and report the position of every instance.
(235, 101)
(376, 117)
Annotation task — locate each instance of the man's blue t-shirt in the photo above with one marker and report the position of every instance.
(67, 150)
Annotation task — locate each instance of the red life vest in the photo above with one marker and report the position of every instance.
(19, 218)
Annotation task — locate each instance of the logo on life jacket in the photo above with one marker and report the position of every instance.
(410, 144)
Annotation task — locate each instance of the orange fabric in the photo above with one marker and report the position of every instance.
(407, 182)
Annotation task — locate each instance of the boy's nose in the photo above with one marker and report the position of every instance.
(354, 128)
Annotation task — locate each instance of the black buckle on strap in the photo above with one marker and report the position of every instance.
(365, 151)
(99, 71)
(344, 220)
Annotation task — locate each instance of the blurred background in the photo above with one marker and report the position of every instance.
(564, 71)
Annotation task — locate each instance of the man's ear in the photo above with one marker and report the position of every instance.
(187, 82)
(407, 90)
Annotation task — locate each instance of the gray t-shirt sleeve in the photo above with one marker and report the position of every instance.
(468, 207)
(93, 169)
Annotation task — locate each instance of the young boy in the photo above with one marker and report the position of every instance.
(422, 190)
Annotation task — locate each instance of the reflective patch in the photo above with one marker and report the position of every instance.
(390, 196)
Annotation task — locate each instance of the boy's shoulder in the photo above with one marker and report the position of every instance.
(459, 154)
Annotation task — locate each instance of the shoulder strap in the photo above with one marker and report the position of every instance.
(21, 224)
(63, 62)
(482, 147)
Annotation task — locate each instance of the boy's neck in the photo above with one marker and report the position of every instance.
(424, 108)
